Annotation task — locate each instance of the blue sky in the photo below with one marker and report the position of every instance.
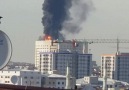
(22, 22)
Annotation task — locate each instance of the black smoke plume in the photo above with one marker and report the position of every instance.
(55, 13)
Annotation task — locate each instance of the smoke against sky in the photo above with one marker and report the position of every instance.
(55, 13)
(79, 12)
(66, 15)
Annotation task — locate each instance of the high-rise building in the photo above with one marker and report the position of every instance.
(116, 66)
(80, 64)
(54, 55)
(56, 46)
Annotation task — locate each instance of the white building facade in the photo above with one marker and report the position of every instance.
(108, 61)
(117, 66)
(21, 77)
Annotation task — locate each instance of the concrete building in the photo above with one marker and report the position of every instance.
(80, 64)
(21, 77)
(117, 66)
(110, 62)
(56, 46)
(55, 80)
(91, 79)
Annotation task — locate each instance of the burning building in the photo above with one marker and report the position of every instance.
(58, 17)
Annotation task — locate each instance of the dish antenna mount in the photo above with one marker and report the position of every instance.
(5, 49)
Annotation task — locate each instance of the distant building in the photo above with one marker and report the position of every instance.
(21, 77)
(56, 46)
(95, 83)
(80, 64)
(91, 79)
(54, 55)
(117, 66)
(19, 65)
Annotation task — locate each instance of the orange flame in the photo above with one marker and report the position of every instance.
(47, 37)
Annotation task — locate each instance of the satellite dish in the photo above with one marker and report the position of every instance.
(5, 49)
(14, 79)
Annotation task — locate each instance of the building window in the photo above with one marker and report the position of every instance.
(49, 82)
(31, 77)
(25, 77)
(58, 82)
(63, 83)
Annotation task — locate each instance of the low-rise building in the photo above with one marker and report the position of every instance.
(54, 80)
(21, 77)
(97, 84)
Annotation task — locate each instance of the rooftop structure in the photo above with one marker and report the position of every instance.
(21, 77)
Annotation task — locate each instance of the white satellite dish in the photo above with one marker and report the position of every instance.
(14, 79)
(5, 49)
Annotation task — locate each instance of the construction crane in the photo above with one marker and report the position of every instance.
(117, 41)
(91, 41)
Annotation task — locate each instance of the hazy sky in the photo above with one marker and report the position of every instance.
(22, 23)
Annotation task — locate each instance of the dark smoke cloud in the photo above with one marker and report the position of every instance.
(64, 16)
(79, 12)
(55, 13)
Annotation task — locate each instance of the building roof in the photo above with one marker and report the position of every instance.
(100, 81)
(111, 81)
(108, 55)
(57, 76)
